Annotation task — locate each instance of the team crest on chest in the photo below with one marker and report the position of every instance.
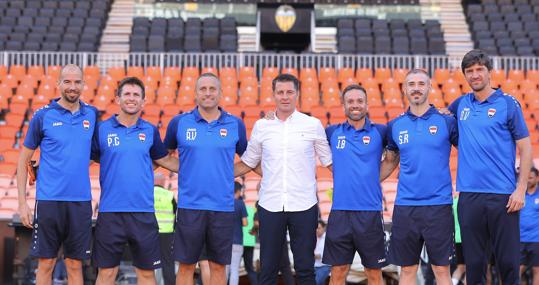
(86, 124)
(191, 134)
(491, 112)
(223, 132)
(142, 137)
(366, 140)
(433, 130)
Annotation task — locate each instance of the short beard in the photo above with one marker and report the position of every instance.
(68, 99)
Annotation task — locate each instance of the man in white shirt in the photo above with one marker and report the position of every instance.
(286, 148)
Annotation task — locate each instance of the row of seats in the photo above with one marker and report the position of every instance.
(376, 36)
(52, 25)
(505, 28)
(175, 35)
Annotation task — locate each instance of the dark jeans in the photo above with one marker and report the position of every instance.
(248, 262)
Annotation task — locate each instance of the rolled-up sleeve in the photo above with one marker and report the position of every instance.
(321, 146)
(253, 154)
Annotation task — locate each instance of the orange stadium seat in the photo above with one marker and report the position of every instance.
(382, 74)
(54, 71)
(326, 73)
(117, 73)
(210, 69)
(533, 75)
(516, 75)
(399, 74)
(441, 75)
(290, 70)
(154, 72)
(458, 76)
(37, 71)
(228, 72)
(3, 71)
(135, 71)
(101, 102)
(18, 71)
(10, 81)
(92, 70)
(363, 74)
(498, 75)
(270, 72)
(348, 81)
(346, 74)
(247, 71)
(6, 144)
(175, 73)
(307, 73)
(9, 131)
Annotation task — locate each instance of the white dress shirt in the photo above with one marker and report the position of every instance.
(287, 151)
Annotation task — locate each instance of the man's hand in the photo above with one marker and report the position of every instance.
(26, 214)
(444, 111)
(516, 200)
(31, 172)
(270, 115)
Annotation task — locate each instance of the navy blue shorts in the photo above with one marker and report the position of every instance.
(414, 226)
(351, 231)
(114, 230)
(196, 228)
(62, 222)
(529, 253)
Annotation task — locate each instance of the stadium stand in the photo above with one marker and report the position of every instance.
(40, 25)
(175, 35)
(505, 27)
(377, 36)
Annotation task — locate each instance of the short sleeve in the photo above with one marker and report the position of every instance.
(243, 210)
(454, 107)
(96, 150)
(391, 145)
(329, 132)
(321, 145)
(515, 121)
(452, 129)
(241, 145)
(171, 141)
(382, 130)
(253, 154)
(34, 134)
(158, 149)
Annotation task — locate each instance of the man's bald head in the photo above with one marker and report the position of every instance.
(70, 69)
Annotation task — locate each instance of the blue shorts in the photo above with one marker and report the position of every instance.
(62, 222)
(529, 253)
(114, 230)
(351, 231)
(414, 226)
(196, 228)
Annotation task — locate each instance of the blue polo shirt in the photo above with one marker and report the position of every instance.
(529, 218)
(126, 156)
(206, 152)
(356, 165)
(488, 131)
(424, 144)
(65, 140)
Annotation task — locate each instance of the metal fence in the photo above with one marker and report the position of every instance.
(257, 60)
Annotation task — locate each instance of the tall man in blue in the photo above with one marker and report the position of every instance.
(63, 131)
(490, 124)
(421, 140)
(529, 225)
(286, 149)
(126, 146)
(207, 139)
(355, 220)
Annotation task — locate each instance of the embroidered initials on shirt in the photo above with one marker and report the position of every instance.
(191, 134)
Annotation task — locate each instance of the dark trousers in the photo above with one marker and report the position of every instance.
(284, 266)
(485, 227)
(248, 262)
(167, 261)
(302, 228)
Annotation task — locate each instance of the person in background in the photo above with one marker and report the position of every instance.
(321, 270)
(529, 228)
(249, 242)
(240, 220)
(459, 274)
(165, 205)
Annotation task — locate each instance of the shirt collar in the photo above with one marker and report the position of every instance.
(367, 126)
(430, 111)
(117, 124)
(491, 98)
(199, 118)
(54, 104)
